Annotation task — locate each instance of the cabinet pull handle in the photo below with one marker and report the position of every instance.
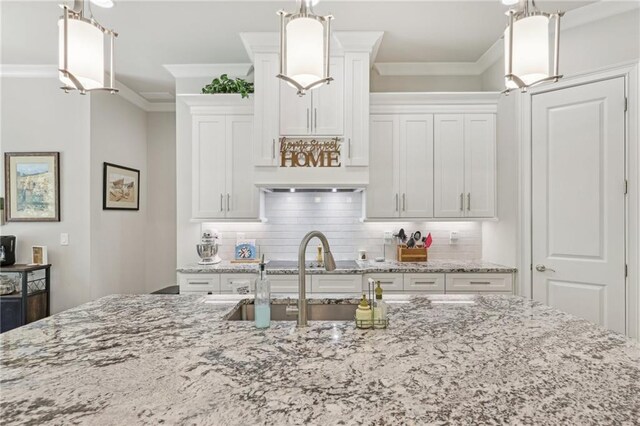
(479, 282)
(308, 117)
(315, 119)
(199, 282)
(228, 202)
(396, 201)
(349, 147)
(273, 149)
(404, 202)
(423, 282)
(469, 201)
(221, 199)
(461, 202)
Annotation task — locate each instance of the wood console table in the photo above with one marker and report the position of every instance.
(31, 302)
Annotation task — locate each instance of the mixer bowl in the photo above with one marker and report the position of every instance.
(208, 253)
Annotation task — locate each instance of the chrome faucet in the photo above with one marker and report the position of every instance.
(329, 265)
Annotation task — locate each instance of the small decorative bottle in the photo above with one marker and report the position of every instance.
(363, 314)
(262, 300)
(380, 309)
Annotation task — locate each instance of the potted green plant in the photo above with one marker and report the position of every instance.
(224, 84)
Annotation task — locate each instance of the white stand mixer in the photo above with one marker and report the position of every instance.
(208, 249)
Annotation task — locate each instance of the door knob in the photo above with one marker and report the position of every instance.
(542, 268)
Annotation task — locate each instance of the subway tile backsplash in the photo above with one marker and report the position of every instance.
(291, 215)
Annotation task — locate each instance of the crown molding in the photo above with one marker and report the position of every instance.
(575, 18)
(207, 70)
(51, 71)
(360, 41)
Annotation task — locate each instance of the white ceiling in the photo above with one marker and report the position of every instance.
(154, 33)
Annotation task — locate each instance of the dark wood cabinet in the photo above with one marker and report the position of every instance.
(31, 301)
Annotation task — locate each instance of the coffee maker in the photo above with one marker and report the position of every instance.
(7, 250)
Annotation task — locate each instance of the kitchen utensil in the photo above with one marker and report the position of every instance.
(428, 241)
(411, 242)
(417, 236)
(401, 235)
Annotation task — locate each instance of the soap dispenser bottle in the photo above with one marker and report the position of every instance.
(262, 301)
(363, 314)
(380, 309)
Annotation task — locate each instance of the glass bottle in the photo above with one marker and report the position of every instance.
(262, 301)
(380, 308)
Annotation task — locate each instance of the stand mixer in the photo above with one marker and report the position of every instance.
(208, 249)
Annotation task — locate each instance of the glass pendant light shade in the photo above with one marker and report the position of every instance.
(305, 51)
(85, 54)
(530, 52)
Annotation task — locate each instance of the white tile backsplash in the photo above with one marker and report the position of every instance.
(291, 215)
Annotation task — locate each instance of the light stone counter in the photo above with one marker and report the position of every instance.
(164, 359)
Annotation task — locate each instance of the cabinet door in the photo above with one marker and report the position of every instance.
(480, 164)
(241, 197)
(237, 283)
(382, 195)
(288, 284)
(424, 283)
(448, 166)
(266, 110)
(479, 283)
(295, 112)
(389, 282)
(328, 102)
(208, 160)
(199, 283)
(329, 283)
(356, 109)
(416, 166)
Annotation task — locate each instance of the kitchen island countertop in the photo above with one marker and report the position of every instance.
(359, 267)
(151, 359)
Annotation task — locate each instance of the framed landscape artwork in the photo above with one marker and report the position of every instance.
(121, 188)
(32, 186)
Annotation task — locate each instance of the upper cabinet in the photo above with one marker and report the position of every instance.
(464, 168)
(266, 129)
(319, 112)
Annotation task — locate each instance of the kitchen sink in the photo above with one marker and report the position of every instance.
(292, 264)
(315, 312)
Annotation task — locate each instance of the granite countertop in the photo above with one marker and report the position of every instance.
(153, 359)
(359, 267)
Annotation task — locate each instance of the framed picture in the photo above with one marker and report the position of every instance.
(121, 188)
(39, 255)
(246, 250)
(32, 186)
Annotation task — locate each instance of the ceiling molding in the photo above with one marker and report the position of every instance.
(360, 41)
(207, 70)
(51, 71)
(575, 18)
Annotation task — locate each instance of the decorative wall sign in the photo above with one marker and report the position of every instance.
(32, 186)
(120, 188)
(310, 152)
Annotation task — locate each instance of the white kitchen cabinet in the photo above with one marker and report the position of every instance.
(424, 283)
(336, 283)
(356, 109)
(319, 112)
(267, 115)
(390, 282)
(401, 162)
(222, 169)
(287, 284)
(237, 283)
(199, 283)
(464, 165)
(479, 283)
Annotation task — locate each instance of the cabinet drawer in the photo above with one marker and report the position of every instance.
(389, 282)
(237, 283)
(479, 283)
(336, 283)
(433, 283)
(201, 283)
(287, 283)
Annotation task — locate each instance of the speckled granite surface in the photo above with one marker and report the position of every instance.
(360, 267)
(158, 359)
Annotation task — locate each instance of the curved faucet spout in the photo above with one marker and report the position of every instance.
(329, 264)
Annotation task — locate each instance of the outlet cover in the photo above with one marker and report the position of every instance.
(64, 239)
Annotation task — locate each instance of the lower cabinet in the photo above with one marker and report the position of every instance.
(424, 283)
(390, 282)
(328, 283)
(199, 283)
(479, 283)
(287, 283)
(237, 283)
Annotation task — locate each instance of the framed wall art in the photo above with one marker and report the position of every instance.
(32, 186)
(121, 188)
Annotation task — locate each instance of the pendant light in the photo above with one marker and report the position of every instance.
(527, 48)
(81, 55)
(304, 48)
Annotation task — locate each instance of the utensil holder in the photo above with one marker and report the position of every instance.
(406, 254)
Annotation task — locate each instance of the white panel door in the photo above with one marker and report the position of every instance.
(295, 112)
(578, 201)
(448, 168)
(328, 103)
(208, 160)
(480, 164)
(416, 165)
(382, 193)
(266, 111)
(356, 112)
(241, 197)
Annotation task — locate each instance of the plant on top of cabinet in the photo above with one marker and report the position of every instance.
(224, 84)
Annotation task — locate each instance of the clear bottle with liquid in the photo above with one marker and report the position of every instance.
(380, 308)
(262, 300)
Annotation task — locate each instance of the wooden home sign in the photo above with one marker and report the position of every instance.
(310, 152)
